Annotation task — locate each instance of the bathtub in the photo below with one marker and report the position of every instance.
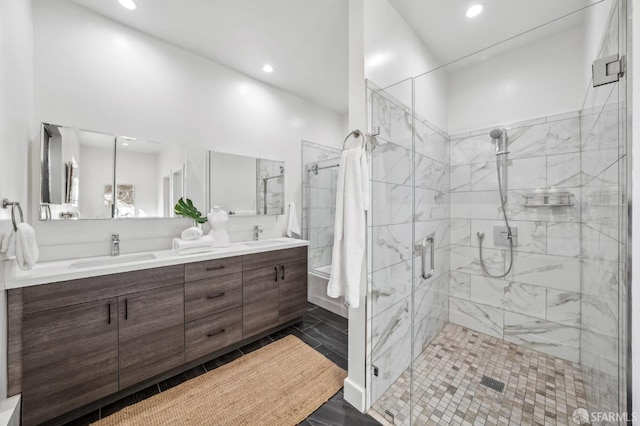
(317, 291)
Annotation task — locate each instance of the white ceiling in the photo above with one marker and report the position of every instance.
(449, 34)
(307, 40)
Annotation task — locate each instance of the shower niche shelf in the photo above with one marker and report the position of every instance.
(560, 199)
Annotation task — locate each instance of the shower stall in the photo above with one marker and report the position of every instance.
(497, 265)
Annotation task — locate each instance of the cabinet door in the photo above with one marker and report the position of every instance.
(70, 358)
(151, 337)
(259, 300)
(292, 292)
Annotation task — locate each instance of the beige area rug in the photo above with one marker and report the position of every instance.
(280, 384)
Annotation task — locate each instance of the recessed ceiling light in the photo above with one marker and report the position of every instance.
(267, 68)
(474, 10)
(128, 4)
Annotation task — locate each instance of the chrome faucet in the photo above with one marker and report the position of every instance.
(257, 230)
(115, 244)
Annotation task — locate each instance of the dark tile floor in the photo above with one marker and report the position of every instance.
(323, 330)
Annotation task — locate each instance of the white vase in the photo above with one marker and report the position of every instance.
(218, 219)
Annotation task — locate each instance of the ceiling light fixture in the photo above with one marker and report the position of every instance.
(128, 4)
(474, 10)
(267, 68)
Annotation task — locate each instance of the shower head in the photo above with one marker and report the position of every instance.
(495, 134)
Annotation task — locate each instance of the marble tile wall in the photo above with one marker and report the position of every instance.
(603, 237)
(538, 303)
(318, 201)
(406, 207)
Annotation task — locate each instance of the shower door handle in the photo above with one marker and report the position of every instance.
(423, 246)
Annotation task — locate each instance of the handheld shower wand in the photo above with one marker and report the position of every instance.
(499, 137)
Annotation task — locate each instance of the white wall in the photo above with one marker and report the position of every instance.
(16, 113)
(393, 52)
(117, 80)
(520, 84)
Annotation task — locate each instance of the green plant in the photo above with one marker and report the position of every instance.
(187, 209)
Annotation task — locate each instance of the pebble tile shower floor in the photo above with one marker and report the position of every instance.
(539, 389)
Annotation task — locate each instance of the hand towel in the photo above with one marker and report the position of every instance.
(8, 245)
(202, 244)
(192, 233)
(352, 201)
(27, 252)
(293, 226)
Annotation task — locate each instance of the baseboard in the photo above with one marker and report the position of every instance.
(355, 395)
(335, 307)
(10, 411)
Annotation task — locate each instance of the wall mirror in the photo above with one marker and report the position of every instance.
(92, 175)
(245, 186)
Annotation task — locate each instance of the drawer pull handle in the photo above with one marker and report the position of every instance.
(126, 309)
(215, 296)
(215, 268)
(282, 266)
(215, 333)
(276, 268)
(109, 312)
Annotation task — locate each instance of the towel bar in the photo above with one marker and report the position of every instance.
(14, 205)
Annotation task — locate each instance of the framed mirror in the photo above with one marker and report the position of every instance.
(244, 185)
(80, 169)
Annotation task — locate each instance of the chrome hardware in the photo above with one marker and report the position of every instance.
(607, 70)
(422, 248)
(257, 230)
(502, 235)
(14, 206)
(115, 244)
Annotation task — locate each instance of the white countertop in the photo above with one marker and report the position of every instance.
(63, 270)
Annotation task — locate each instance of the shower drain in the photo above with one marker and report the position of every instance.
(494, 384)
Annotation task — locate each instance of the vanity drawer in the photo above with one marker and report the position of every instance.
(212, 268)
(274, 257)
(213, 333)
(213, 295)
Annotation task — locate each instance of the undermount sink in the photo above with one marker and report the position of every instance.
(116, 260)
(263, 243)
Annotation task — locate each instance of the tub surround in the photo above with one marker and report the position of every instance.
(70, 269)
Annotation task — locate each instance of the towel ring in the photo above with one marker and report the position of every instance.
(357, 133)
(14, 205)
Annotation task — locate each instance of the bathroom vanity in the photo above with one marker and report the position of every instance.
(82, 342)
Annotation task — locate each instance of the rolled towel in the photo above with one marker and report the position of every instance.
(192, 233)
(27, 252)
(202, 244)
(8, 245)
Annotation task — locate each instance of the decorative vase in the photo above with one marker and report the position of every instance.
(218, 219)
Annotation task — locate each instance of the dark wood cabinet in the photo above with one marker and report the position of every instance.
(292, 291)
(259, 300)
(274, 289)
(72, 343)
(70, 358)
(151, 333)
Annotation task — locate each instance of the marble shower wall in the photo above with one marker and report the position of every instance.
(538, 303)
(319, 202)
(392, 237)
(603, 238)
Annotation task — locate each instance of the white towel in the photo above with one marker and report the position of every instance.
(192, 233)
(349, 242)
(8, 245)
(293, 226)
(201, 245)
(27, 252)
